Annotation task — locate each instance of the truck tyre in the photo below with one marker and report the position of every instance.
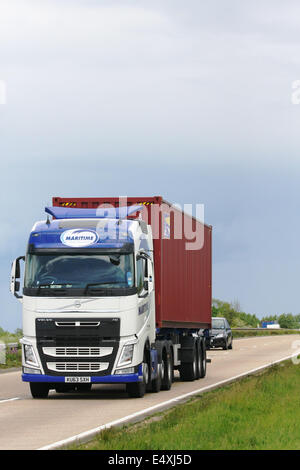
(156, 383)
(64, 388)
(167, 367)
(172, 362)
(203, 360)
(39, 390)
(147, 358)
(198, 358)
(188, 368)
(84, 388)
(138, 389)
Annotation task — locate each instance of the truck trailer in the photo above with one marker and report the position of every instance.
(114, 291)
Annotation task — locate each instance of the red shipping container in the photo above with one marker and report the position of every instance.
(183, 268)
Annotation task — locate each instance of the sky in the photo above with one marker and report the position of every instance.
(189, 100)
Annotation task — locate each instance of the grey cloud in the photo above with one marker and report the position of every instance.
(191, 102)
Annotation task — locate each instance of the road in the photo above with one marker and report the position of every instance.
(26, 423)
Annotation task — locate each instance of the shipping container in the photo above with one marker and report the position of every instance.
(183, 277)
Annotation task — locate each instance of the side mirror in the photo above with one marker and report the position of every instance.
(15, 276)
(148, 285)
(145, 290)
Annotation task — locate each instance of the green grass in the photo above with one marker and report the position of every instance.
(258, 412)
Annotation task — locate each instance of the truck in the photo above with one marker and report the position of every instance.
(270, 324)
(114, 291)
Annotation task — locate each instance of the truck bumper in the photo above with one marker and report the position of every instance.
(107, 379)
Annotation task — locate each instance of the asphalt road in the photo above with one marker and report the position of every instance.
(27, 423)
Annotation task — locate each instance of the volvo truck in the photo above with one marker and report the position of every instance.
(114, 293)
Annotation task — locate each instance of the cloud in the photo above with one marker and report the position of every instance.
(134, 97)
(81, 72)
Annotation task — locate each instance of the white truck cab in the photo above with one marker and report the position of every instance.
(88, 301)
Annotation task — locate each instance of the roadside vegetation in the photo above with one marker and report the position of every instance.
(7, 337)
(239, 319)
(12, 359)
(13, 356)
(220, 420)
(265, 332)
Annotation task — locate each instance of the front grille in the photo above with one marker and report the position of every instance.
(77, 366)
(77, 351)
(72, 324)
(78, 345)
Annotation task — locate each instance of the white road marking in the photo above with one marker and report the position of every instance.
(88, 435)
(9, 399)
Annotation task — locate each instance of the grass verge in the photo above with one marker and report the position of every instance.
(248, 333)
(258, 412)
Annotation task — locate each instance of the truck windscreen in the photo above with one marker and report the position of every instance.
(84, 272)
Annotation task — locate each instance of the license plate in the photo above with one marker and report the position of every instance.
(78, 379)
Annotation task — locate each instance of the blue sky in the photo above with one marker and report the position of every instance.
(189, 101)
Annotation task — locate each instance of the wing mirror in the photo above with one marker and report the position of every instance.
(15, 283)
(148, 276)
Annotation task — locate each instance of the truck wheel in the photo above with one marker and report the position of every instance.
(167, 368)
(39, 390)
(172, 362)
(83, 388)
(188, 370)
(156, 383)
(198, 358)
(138, 389)
(203, 360)
(64, 388)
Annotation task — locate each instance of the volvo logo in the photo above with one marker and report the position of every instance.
(77, 304)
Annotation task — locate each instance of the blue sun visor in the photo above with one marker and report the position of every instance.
(100, 213)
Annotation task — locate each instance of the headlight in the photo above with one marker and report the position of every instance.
(29, 355)
(29, 370)
(126, 356)
(220, 335)
(128, 370)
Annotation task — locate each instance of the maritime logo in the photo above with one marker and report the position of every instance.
(77, 238)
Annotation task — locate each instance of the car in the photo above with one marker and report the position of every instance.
(220, 335)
